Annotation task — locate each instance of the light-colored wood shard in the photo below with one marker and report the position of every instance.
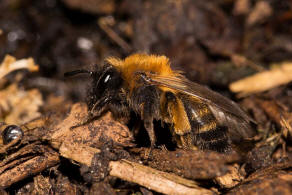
(263, 81)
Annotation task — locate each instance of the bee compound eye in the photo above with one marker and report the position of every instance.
(11, 133)
(107, 78)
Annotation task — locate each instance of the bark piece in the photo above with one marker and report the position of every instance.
(28, 168)
(266, 181)
(78, 152)
(191, 164)
(97, 132)
(92, 6)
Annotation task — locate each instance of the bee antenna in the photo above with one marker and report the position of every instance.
(74, 72)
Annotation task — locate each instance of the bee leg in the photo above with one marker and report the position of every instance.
(89, 117)
(150, 130)
(148, 112)
(83, 122)
(136, 128)
(95, 111)
(148, 124)
(146, 102)
(174, 108)
(187, 141)
(120, 111)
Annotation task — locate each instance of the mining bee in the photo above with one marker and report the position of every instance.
(146, 85)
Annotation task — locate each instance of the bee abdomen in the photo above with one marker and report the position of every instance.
(215, 139)
(207, 133)
(213, 134)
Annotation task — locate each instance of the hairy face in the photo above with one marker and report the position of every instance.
(105, 87)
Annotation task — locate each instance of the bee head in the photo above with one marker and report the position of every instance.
(105, 88)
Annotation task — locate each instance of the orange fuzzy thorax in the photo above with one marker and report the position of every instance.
(142, 62)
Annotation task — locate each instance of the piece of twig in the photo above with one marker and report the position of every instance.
(145, 176)
(24, 151)
(5, 148)
(155, 180)
(241, 60)
(264, 80)
(28, 168)
(104, 25)
(78, 152)
(14, 163)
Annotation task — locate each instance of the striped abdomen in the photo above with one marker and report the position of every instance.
(194, 124)
(206, 133)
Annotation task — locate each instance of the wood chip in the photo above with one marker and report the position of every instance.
(260, 12)
(78, 152)
(263, 81)
(10, 64)
(155, 180)
(230, 179)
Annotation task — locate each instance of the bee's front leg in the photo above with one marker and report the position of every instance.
(146, 102)
(91, 115)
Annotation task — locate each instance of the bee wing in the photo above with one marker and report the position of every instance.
(226, 111)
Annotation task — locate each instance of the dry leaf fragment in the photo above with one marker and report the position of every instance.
(10, 64)
(261, 11)
(18, 106)
(263, 81)
(42, 185)
(241, 7)
(230, 179)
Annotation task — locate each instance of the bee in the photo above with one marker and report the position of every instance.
(146, 85)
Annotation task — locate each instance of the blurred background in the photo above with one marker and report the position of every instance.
(213, 42)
